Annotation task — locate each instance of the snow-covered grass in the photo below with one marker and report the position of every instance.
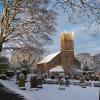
(51, 92)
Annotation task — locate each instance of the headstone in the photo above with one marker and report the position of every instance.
(21, 83)
(43, 78)
(82, 82)
(96, 79)
(18, 72)
(62, 84)
(33, 81)
(3, 76)
(4, 65)
(10, 73)
(96, 84)
(82, 79)
(24, 71)
(52, 77)
(39, 82)
(46, 75)
(66, 80)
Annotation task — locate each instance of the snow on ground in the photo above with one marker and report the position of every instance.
(51, 92)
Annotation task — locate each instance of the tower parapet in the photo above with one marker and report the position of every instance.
(67, 41)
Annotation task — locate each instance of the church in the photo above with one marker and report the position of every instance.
(64, 57)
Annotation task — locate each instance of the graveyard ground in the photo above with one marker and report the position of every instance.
(51, 92)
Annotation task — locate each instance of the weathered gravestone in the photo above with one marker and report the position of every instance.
(33, 81)
(21, 83)
(39, 82)
(24, 71)
(82, 82)
(10, 73)
(62, 84)
(4, 65)
(3, 75)
(96, 84)
(18, 72)
(67, 81)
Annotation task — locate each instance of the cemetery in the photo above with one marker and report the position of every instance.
(41, 61)
(44, 85)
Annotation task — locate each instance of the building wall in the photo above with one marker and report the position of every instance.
(44, 68)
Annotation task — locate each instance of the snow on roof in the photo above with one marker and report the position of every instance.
(57, 69)
(48, 58)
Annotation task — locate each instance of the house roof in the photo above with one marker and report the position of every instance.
(48, 58)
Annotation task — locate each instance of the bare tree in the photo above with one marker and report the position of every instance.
(81, 11)
(24, 58)
(6, 20)
(26, 22)
(30, 22)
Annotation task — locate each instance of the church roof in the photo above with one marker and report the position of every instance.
(57, 69)
(48, 58)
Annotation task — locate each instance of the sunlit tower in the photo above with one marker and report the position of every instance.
(67, 51)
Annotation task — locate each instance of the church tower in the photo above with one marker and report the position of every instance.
(67, 51)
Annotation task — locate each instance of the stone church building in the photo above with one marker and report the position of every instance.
(64, 57)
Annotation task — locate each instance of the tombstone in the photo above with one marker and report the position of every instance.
(24, 71)
(82, 82)
(10, 73)
(60, 77)
(39, 82)
(33, 81)
(96, 84)
(17, 75)
(82, 79)
(4, 65)
(96, 78)
(67, 82)
(62, 84)
(21, 83)
(3, 76)
(43, 78)
(46, 75)
(87, 78)
(52, 77)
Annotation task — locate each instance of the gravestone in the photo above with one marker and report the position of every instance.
(97, 84)
(67, 80)
(4, 65)
(33, 81)
(62, 84)
(3, 75)
(10, 73)
(82, 82)
(39, 82)
(82, 79)
(21, 83)
(24, 71)
(18, 72)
